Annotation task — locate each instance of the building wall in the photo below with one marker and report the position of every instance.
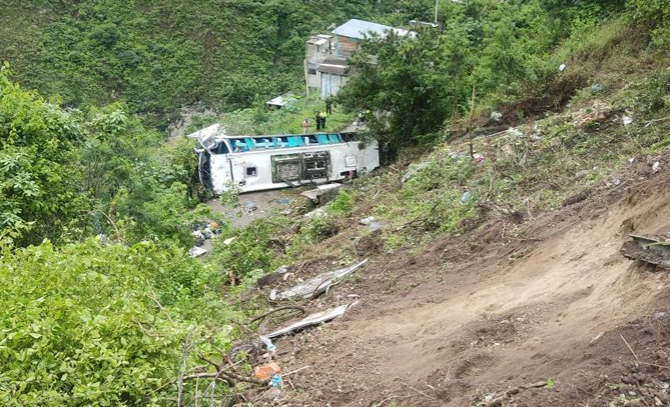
(331, 84)
(345, 47)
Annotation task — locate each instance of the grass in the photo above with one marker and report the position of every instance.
(287, 120)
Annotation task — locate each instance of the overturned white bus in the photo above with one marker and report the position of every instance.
(279, 161)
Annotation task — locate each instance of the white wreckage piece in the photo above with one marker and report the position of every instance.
(317, 285)
(314, 319)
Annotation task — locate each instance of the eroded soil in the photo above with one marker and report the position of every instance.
(554, 318)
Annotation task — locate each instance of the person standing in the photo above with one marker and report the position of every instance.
(329, 106)
(323, 116)
(305, 126)
(318, 121)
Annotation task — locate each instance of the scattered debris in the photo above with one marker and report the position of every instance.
(631, 160)
(562, 67)
(465, 197)
(496, 116)
(514, 132)
(660, 315)
(316, 213)
(250, 206)
(596, 113)
(478, 158)
(315, 194)
(627, 120)
(267, 371)
(656, 167)
(311, 320)
(455, 155)
(197, 251)
(367, 221)
(315, 286)
(230, 240)
(648, 249)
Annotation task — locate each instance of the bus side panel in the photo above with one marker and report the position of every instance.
(220, 172)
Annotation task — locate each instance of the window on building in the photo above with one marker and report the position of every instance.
(251, 172)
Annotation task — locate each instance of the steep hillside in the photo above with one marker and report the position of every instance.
(160, 56)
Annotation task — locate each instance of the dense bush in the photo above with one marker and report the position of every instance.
(96, 325)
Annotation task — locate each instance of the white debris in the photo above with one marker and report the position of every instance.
(496, 116)
(656, 167)
(562, 67)
(627, 120)
(197, 251)
(313, 319)
(316, 285)
(230, 240)
(367, 221)
(514, 132)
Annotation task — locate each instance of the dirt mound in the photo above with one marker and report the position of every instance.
(557, 319)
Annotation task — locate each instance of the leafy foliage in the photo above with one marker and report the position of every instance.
(165, 56)
(82, 325)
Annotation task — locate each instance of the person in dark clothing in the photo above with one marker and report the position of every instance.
(329, 106)
(318, 121)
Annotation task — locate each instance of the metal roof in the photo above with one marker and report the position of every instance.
(359, 29)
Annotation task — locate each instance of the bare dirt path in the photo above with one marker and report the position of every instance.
(552, 309)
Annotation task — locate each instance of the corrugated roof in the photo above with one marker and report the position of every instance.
(355, 28)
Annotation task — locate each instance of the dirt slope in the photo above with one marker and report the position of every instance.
(480, 329)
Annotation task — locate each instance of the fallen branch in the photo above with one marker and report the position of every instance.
(631, 349)
(182, 367)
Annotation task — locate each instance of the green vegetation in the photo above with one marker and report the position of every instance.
(100, 296)
(287, 120)
(161, 57)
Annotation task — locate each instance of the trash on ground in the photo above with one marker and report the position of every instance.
(514, 132)
(197, 251)
(311, 320)
(562, 67)
(315, 194)
(374, 226)
(596, 88)
(271, 347)
(478, 158)
(649, 249)
(496, 116)
(465, 197)
(627, 120)
(656, 167)
(316, 213)
(631, 160)
(316, 285)
(267, 371)
(230, 240)
(276, 381)
(454, 155)
(367, 221)
(250, 206)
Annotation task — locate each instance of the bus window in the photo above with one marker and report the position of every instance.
(323, 139)
(334, 138)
